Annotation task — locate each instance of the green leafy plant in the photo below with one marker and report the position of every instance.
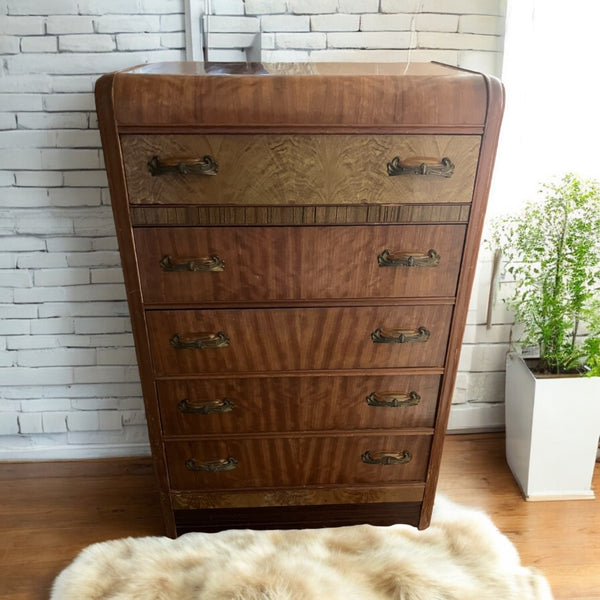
(552, 252)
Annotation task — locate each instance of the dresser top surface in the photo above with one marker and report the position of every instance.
(329, 69)
(302, 95)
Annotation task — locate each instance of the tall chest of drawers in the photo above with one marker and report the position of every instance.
(298, 245)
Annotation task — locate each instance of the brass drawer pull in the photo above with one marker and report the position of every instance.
(200, 341)
(420, 166)
(400, 336)
(393, 399)
(222, 464)
(408, 259)
(204, 263)
(386, 458)
(206, 165)
(221, 405)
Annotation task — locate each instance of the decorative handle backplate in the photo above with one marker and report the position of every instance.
(206, 165)
(199, 341)
(204, 263)
(221, 464)
(408, 259)
(386, 458)
(420, 166)
(393, 399)
(400, 336)
(222, 405)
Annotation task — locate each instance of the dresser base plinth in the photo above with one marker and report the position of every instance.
(297, 517)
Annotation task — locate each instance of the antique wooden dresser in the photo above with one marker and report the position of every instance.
(298, 244)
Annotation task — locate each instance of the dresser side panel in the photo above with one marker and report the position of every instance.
(494, 112)
(104, 97)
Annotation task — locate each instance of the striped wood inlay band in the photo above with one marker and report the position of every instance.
(298, 215)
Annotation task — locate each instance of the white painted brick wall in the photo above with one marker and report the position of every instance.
(358, 6)
(68, 24)
(282, 23)
(303, 7)
(233, 24)
(265, 7)
(339, 22)
(368, 39)
(466, 33)
(37, 44)
(383, 22)
(229, 7)
(69, 385)
(302, 41)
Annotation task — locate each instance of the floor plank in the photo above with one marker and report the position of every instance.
(50, 511)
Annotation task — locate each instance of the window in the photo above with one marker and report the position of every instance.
(552, 120)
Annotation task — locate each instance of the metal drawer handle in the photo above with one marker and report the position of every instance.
(408, 259)
(400, 336)
(393, 399)
(206, 165)
(204, 263)
(386, 458)
(221, 464)
(221, 405)
(199, 341)
(420, 166)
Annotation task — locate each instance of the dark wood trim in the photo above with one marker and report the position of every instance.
(314, 303)
(332, 129)
(296, 434)
(494, 113)
(104, 94)
(347, 215)
(295, 517)
(315, 373)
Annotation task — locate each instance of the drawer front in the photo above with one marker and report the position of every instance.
(298, 169)
(230, 463)
(190, 407)
(213, 264)
(217, 341)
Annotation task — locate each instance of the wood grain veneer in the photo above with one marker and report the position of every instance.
(298, 169)
(287, 339)
(315, 96)
(281, 263)
(370, 497)
(331, 214)
(288, 403)
(282, 461)
(292, 223)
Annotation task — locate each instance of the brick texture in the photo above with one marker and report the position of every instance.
(68, 376)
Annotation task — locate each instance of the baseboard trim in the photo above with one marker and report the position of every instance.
(559, 496)
(73, 452)
(476, 417)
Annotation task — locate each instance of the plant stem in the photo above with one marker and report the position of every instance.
(558, 281)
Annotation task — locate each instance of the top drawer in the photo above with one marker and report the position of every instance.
(299, 169)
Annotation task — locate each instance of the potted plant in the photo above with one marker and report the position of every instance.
(551, 250)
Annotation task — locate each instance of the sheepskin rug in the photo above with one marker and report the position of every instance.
(461, 556)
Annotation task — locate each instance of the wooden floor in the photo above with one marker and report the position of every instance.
(562, 539)
(50, 511)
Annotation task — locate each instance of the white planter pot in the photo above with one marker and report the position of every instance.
(552, 430)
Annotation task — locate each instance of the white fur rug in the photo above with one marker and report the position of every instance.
(461, 556)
